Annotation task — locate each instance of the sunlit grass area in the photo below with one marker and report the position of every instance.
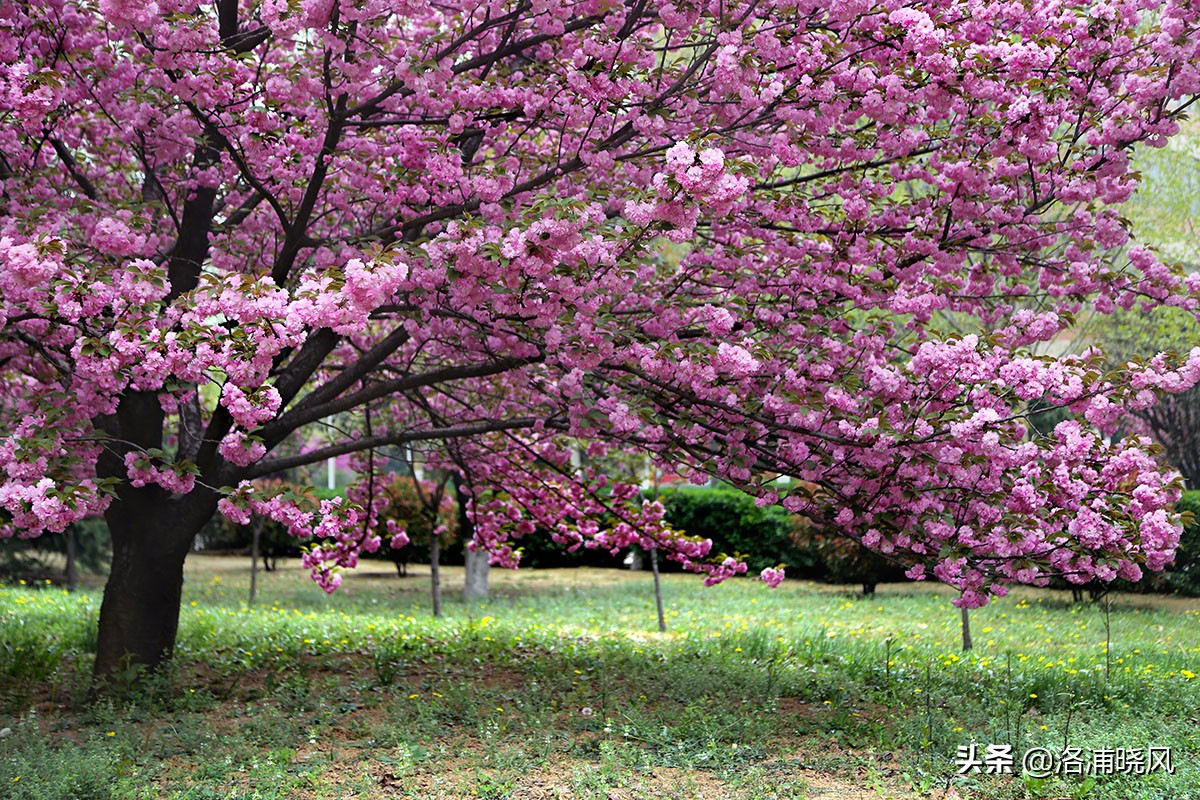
(561, 686)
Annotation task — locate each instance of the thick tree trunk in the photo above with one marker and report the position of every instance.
(139, 616)
(478, 563)
(475, 586)
(637, 559)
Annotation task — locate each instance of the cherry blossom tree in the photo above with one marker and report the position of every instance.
(718, 232)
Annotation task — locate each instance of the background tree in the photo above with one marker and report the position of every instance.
(223, 222)
(1166, 205)
(419, 513)
(1172, 421)
(83, 546)
(1163, 211)
(475, 562)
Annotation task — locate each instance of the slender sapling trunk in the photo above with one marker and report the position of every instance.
(435, 578)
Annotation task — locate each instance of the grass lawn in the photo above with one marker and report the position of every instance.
(561, 687)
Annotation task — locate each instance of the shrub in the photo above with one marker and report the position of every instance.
(843, 560)
(761, 536)
(1184, 575)
(539, 551)
(34, 557)
(412, 507)
(274, 541)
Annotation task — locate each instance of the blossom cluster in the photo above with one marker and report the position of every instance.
(694, 182)
(727, 240)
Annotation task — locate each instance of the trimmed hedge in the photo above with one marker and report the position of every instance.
(843, 560)
(761, 536)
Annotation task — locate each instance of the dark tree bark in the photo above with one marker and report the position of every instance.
(152, 532)
(139, 616)
(71, 571)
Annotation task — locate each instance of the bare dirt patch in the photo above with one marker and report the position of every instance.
(567, 778)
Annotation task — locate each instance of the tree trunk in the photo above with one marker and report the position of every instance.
(139, 617)
(637, 559)
(72, 571)
(476, 586)
(255, 536)
(435, 577)
(966, 630)
(658, 601)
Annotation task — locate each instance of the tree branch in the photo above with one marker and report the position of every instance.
(349, 376)
(297, 233)
(304, 414)
(367, 443)
(191, 246)
(233, 38)
(72, 166)
(191, 423)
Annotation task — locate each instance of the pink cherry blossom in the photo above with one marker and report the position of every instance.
(723, 239)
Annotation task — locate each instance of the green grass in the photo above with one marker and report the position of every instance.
(561, 686)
